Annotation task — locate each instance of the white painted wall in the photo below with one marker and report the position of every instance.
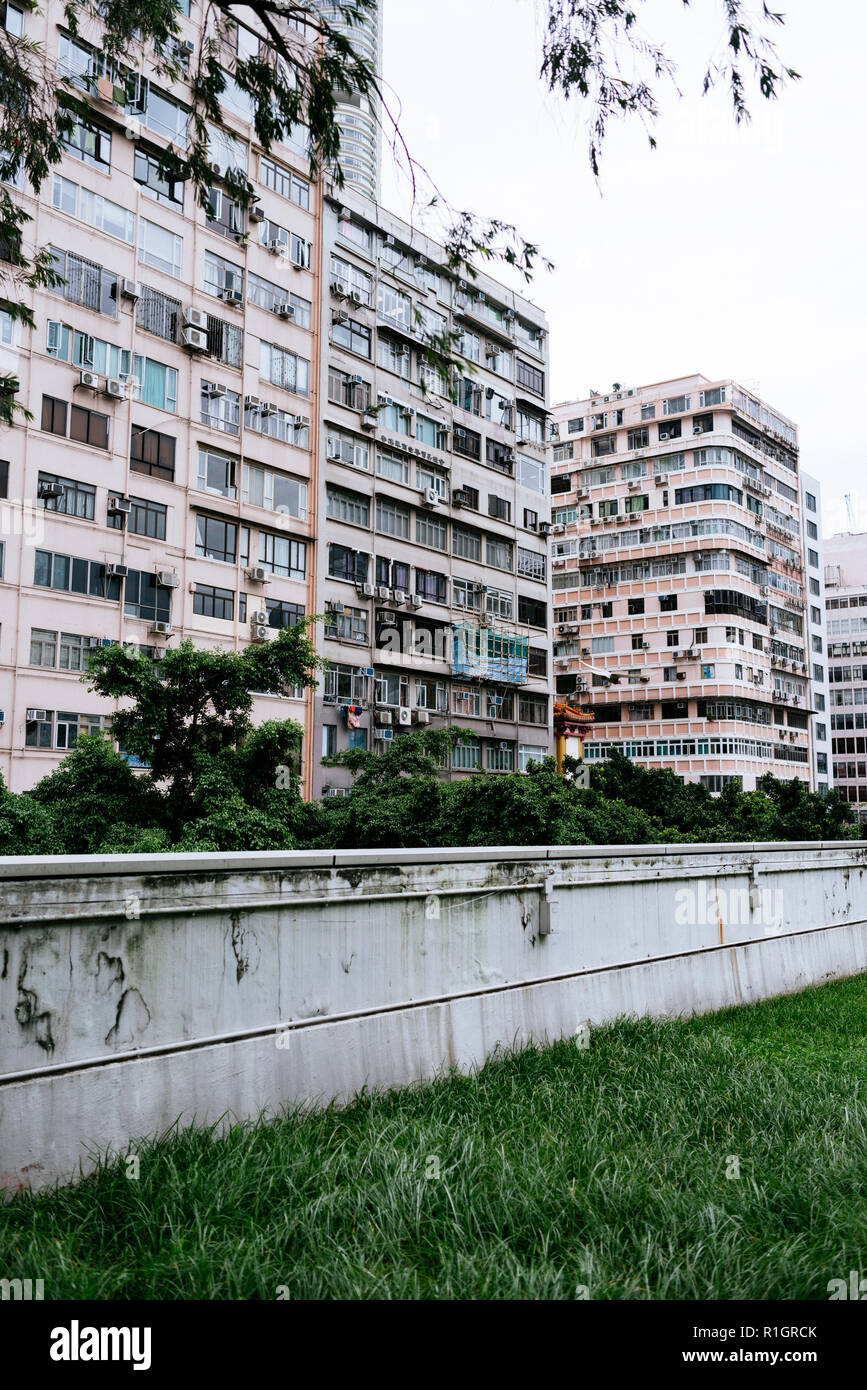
(136, 990)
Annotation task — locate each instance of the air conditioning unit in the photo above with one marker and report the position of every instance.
(681, 675)
(633, 483)
(130, 289)
(258, 574)
(35, 716)
(121, 505)
(645, 646)
(46, 491)
(196, 318)
(404, 716)
(660, 480)
(214, 388)
(132, 128)
(400, 596)
(422, 716)
(415, 601)
(368, 420)
(383, 592)
(267, 409)
(164, 629)
(582, 493)
(257, 213)
(558, 528)
(276, 246)
(113, 571)
(383, 716)
(430, 496)
(300, 422)
(366, 590)
(622, 519)
(356, 297)
(88, 379)
(195, 339)
(285, 311)
(388, 619)
(114, 388)
(663, 434)
(168, 579)
(259, 632)
(387, 735)
(218, 170)
(252, 403)
(595, 521)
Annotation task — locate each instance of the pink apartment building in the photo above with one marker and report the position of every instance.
(680, 590)
(846, 603)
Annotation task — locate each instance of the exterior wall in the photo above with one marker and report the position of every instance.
(140, 991)
(385, 439)
(714, 670)
(29, 527)
(846, 604)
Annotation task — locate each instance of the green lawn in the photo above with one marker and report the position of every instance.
(603, 1167)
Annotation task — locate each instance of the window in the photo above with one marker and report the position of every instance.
(85, 282)
(431, 585)
(160, 248)
(394, 356)
(391, 518)
(163, 187)
(430, 432)
(284, 182)
(467, 443)
(344, 563)
(12, 19)
(158, 314)
(216, 539)
(282, 614)
(500, 604)
(277, 492)
(283, 555)
(466, 544)
(293, 247)
(160, 114)
(530, 377)
(498, 553)
(638, 439)
(531, 519)
(152, 453)
(72, 575)
(343, 684)
(224, 214)
(77, 499)
(144, 598)
(636, 504)
(532, 611)
(562, 452)
(220, 408)
(350, 625)
(157, 384)
(43, 647)
(283, 368)
(531, 564)
(531, 475)
(466, 754)
(90, 143)
(216, 473)
(499, 456)
(575, 426)
(810, 501)
(813, 558)
(348, 448)
(426, 476)
(667, 603)
(530, 426)
(212, 602)
(707, 671)
(500, 757)
(352, 335)
(85, 426)
(393, 306)
(348, 278)
(498, 507)
(429, 530)
(605, 444)
(223, 278)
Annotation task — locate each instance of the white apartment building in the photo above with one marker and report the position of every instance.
(433, 501)
(679, 582)
(181, 477)
(359, 116)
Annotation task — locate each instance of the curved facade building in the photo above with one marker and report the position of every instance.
(358, 117)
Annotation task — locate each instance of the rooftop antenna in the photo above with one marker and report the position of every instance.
(850, 511)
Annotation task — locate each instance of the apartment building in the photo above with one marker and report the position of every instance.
(816, 631)
(679, 582)
(164, 487)
(359, 116)
(433, 502)
(846, 605)
(233, 426)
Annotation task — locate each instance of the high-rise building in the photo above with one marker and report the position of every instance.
(196, 440)
(679, 583)
(359, 116)
(433, 501)
(846, 605)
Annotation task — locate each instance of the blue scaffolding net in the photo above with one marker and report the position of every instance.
(484, 653)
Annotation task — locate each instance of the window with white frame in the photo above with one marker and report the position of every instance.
(276, 492)
(284, 368)
(160, 248)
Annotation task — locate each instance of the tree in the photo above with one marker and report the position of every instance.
(293, 81)
(191, 716)
(92, 794)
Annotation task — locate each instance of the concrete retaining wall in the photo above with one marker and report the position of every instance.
(135, 991)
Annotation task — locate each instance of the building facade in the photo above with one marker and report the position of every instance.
(846, 605)
(679, 581)
(203, 401)
(433, 502)
(359, 117)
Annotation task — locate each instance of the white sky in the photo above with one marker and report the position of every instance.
(729, 251)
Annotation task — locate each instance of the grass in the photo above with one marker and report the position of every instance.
(603, 1167)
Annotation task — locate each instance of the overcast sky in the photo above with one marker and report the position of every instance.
(729, 251)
